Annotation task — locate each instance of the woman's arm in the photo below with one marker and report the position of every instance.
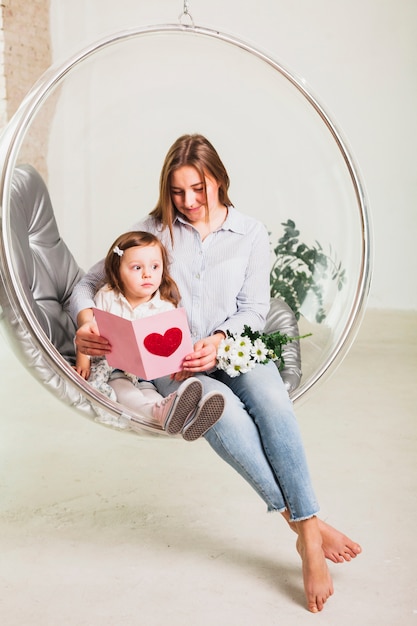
(237, 284)
(82, 297)
(252, 295)
(203, 358)
(87, 338)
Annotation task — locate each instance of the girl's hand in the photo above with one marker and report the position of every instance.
(83, 370)
(202, 359)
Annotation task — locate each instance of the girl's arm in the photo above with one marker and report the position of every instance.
(82, 365)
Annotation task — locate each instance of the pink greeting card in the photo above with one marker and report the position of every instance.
(149, 347)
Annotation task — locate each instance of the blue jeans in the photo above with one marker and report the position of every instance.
(258, 436)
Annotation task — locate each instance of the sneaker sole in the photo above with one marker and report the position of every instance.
(207, 415)
(185, 405)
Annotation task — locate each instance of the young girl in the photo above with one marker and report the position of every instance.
(138, 285)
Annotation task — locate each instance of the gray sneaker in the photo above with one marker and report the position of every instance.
(173, 411)
(209, 411)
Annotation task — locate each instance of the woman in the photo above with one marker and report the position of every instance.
(220, 261)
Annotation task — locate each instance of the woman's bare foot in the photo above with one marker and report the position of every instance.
(337, 547)
(318, 585)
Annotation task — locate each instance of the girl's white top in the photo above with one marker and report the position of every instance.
(108, 300)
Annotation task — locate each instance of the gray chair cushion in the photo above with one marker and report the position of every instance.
(281, 318)
(47, 269)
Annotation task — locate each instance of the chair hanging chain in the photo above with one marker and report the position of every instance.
(185, 13)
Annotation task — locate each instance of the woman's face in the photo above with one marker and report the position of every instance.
(188, 196)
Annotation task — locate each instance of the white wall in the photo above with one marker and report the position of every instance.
(358, 56)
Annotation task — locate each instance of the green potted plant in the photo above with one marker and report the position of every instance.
(300, 269)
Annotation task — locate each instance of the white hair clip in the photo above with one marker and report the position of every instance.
(117, 250)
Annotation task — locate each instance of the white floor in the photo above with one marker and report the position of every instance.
(102, 528)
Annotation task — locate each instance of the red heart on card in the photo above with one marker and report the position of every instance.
(163, 345)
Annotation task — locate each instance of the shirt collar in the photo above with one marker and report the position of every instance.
(234, 221)
(154, 303)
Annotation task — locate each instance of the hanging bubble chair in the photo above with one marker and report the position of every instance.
(105, 119)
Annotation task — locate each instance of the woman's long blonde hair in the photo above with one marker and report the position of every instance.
(168, 288)
(195, 151)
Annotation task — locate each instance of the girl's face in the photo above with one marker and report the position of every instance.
(187, 193)
(141, 273)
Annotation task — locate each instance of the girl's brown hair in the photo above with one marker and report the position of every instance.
(195, 151)
(168, 288)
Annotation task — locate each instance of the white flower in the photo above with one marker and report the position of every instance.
(238, 354)
(232, 370)
(226, 348)
(260, 351)
(243, 348)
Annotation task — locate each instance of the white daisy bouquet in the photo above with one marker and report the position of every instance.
(238, 354)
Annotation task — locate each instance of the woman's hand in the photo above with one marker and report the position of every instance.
(87, 338)
(202, 359)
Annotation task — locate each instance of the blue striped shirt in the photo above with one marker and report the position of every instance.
(223, 280)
